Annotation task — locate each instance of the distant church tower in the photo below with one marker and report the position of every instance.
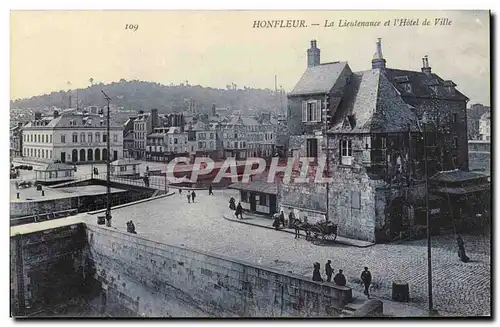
(313, 55)
(378, 60)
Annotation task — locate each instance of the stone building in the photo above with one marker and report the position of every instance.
(374, 121)
(16, 140)
(144, 124)
(72, 136)
(484, 127)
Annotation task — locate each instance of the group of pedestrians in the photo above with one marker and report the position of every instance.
(339, 279)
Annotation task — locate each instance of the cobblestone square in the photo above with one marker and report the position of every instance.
(459, 288)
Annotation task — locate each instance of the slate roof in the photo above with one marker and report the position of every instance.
(374, 105)
(54, 167)
(318, 79)
(90, 121)
(123, 162)
(261, 186)
(456, 176)
(420, 84)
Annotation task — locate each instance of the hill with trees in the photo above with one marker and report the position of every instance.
(141, 95)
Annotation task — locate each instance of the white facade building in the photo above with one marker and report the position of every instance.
(485, 127)
(71, 137)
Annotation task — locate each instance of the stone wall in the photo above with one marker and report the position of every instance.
(303, 196)
(141, 273)
(48, 268)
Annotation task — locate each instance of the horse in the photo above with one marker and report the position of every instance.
(298, 225)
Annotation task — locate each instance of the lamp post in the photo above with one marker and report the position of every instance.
(429, 244)
(325, 135)
(108, 182)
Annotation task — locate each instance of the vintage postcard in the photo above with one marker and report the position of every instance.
(243, 164)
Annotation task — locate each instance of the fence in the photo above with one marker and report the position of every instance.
(43, 217)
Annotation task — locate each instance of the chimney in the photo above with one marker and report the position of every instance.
(154, 118)
(425, 66)
(213, 110)
(38, 115)
(56, 113)
(378, 60)
(313, 55)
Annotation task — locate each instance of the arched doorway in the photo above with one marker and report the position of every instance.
(74, 155)
(97, 156)
(90, 154)
(104, 154)
(82, 155)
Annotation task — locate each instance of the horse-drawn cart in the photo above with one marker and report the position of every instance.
(323, 231)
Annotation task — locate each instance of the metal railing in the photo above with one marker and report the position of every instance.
(42, 217)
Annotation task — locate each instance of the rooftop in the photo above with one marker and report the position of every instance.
(319, 79)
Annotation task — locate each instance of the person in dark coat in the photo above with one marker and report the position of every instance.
(282, 218)
(316, 273)
(232, 204)
(461, 249)
(188, 196)
(276, 221)
(366, 278)
(180, 191)
(193, 195)
(210, 190)
(328, 270)
(339, 278)
(239, 211)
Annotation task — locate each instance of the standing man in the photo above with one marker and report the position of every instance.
(328, 270)
(366, 277)
(193, 195)
(210, 191)
(188, 195)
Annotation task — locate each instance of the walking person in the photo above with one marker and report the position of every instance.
(282, 218)
(210, 191)
(180, 191)
(366, 278)
(316, 273)
(188, 195)
(339, 278)
(328, 270)
(239, 211)
(193, 195)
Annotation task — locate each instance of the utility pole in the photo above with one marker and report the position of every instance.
(108, 181)
(327, 151)
(429, 252)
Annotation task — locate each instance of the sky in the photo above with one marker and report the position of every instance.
(54, 50)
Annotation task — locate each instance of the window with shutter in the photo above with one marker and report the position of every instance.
(318, 110)
(304, 111)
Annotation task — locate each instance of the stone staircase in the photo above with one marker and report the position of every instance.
(351, 307)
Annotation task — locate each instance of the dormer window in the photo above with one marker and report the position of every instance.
(407, 87)
(311, 111)
(72, 123)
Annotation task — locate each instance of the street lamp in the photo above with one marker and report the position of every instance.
(424, 122)
(108, 156)
(326, 120)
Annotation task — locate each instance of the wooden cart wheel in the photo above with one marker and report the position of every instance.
(316, 231)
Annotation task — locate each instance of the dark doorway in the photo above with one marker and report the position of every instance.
(90, 155)
(82, 155)
(272, 204)
(97, 155)
(63, 156)
(74, 155)
(253, 204)
(312, 148)
(396, 212)
(115, 155)
(105, 154)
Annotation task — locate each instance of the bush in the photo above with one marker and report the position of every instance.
(29, 167)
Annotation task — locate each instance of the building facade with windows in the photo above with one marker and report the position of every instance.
(71, 137)
(143, 125)
(369, 125)
(484, 127)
